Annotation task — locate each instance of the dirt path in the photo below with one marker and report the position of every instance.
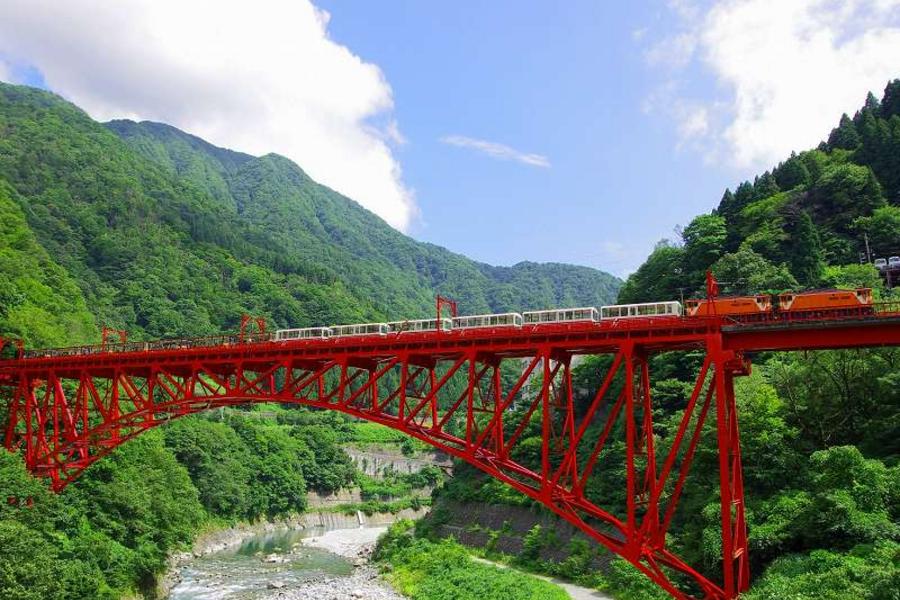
(576, 592)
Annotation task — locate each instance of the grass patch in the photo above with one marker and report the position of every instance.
(444, 570)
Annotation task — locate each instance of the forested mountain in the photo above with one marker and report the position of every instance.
(820, 431)
(144, 227)
(355, 245)
(149, 229)
(801, 225)
(167, 235)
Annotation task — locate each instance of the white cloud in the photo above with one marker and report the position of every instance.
(674, 51)
(5, 74)
(619, 258)
(686, 9)
(259, 77)
(788, 70)
(497, 150)
(694, 122)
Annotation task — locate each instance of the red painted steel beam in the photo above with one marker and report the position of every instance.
(447, 390)
(827, 335)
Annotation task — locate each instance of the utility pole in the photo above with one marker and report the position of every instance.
(868, 250)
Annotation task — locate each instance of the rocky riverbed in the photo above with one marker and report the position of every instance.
(355, 545)
(363, 583)
(286, 563)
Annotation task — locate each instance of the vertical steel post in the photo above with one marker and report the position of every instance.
(404, 380)
(546, 417)
(432, 382)
(630, 440)
(649, 446)
(498, 410)
(735, 569)
(470, 400)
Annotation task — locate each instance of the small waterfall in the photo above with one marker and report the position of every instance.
(361, 518)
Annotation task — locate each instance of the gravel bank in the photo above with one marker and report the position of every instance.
(356, 544)
(363, 583)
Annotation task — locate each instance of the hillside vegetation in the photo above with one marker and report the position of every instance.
(400, 275)
(801, 225)
(166, 235)
(146, 228)
(820, 431)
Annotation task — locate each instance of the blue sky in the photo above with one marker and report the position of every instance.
(564, 80)
(577, 131)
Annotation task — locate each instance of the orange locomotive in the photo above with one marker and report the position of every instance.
(790, 304)
(820, 303)
(742, 306)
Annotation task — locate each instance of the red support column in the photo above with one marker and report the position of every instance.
(650, 481)
(546, 417)
(432, 393)
(9, 440)
(630, 441)
(735, 568)
(114, 407)
(404, 380)
(470, 400)
(498, 411)
(571, 449)
(739, 542)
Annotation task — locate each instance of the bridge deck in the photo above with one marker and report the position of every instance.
(452, 390)
(653, 334)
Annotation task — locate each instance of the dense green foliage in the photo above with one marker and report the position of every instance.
(444, 570)
(780, 231)
(102, 538)
(167, 235)
(39, 301)
(147, 229)
(819, 430)
(868, 572)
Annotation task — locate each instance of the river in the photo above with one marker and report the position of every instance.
(287, 564)
(312, 563)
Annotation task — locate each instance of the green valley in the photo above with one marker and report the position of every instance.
(818, 429)
(142, 227)
(146, 228)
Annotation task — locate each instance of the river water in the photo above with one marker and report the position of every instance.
(315, 563)
(265, 563)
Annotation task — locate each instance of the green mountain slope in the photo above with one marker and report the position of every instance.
(39, 302)
(803, 224)
(395, 270)
(167, 235)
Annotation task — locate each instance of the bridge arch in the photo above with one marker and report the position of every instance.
(472, 403)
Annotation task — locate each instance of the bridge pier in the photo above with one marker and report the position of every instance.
(467, 394)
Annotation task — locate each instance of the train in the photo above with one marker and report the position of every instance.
(738, 309)
(789, 305)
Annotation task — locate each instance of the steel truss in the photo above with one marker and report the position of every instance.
(471, 403)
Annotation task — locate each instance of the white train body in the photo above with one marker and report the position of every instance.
(360, 329)
(587, 314)
(561, 315)
(420, 325)
(306, 333)
(641, 311)
(479, 321)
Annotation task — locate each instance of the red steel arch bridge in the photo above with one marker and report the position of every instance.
(470, 393)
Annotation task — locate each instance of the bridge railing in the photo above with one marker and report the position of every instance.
(233, 339)
(888, 307)
(880, 309)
